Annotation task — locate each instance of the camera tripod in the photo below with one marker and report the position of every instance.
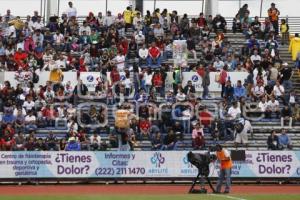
(201, 177)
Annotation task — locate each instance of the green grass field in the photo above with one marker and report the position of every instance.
(157, 197)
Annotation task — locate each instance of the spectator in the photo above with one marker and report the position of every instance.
(71, 11)
(258, 91)
(170, 141)
(19, 142)
(239, 90)
(198, 137)
(154, 56)
(284, 29)
(278, 90)
(219, 23)
(273, 142)
(294, 47)
(51, 142)
(286, 115)
(242, 128)
(30, 121)
(40, 145)
(272, 107)
(157, 142)
(273, 13)
(234, 111)
(95, 141)
(229, 91)
(189, 88)
(284, 141)
(73, 145)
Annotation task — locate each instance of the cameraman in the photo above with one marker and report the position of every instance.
(225, 168)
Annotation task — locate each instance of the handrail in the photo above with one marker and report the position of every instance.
(294, 22)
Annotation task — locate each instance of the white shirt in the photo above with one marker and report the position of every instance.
(139, 39)
(87, 29)
(247, 127)
(219, 65)
(148, 78)
(30, 118)
(233, 112)
(120, 62)
(94, 140)
(127, 82)
(28, 105)
(109, 20)
(136, 20)
(20, 45)
(263, 106)
(37, 25)
(58, 39)
(254, 58)
(143, 53)
(11, 30)
(71, 12)
(258, 90)
(278, 90)
(15, 112)
(273, 105)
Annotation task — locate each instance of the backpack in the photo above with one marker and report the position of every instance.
(239, 127)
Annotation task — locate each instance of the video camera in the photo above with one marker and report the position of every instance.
(201, 161)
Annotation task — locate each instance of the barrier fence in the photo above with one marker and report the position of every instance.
(90, 79)
(149, 164)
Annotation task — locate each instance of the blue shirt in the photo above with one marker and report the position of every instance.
(240, 91)
(8, 118)
(73, 146)
(284, 139)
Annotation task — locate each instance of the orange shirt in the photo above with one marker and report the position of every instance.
(273, 14)
(225, 164)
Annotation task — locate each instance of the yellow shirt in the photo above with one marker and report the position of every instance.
(56, 75)
(128, 16)
(283, 28)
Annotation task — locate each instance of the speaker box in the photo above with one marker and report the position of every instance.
(238, 155)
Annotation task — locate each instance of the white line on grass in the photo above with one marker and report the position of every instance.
(227, 196)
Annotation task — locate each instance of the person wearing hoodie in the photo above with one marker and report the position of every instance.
(294, 47)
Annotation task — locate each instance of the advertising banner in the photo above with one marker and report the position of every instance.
(214, 86)
(43, 78)
(140, 164)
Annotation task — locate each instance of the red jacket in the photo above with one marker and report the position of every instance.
(157, 80)
(154, 52)
(20, 58)
(114, 76)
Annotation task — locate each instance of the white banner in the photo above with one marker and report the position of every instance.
(214, 86)
(43, 78)
(139, 164)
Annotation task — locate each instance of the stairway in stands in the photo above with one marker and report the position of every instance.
(286, 57)
(263, 127)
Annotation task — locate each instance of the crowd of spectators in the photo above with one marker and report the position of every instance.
(138, 46)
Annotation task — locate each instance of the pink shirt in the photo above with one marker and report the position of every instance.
(196, 131)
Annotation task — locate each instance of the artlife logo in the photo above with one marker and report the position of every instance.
(90, 78)
(195, 78)
(186, 162)
(157, 159)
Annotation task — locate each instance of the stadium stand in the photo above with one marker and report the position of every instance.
(83, 119)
